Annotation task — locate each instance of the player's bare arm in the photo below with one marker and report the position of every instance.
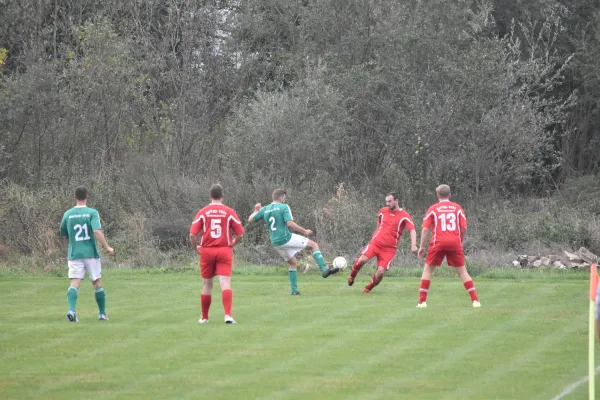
(413, 241)
(463, 234)
(424, 235)
(102, 240)
(194, 240)
(257, 208)
(294, 227)
(237, 239)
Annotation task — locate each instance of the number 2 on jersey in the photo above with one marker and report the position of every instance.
(215, 228)
(272, 221)
(448, 222)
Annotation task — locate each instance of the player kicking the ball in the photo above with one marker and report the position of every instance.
(391, 222)
(448, 223)
(216, 224)
(81, 225)
(279, 220)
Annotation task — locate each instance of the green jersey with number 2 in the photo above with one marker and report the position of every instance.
(78, 224)
(276, 216)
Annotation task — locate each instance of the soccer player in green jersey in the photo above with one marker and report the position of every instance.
(280, 223)
(81, 225)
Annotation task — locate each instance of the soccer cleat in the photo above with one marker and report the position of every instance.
(72, 316)
(202, 321)
(350, 281)
(366, 291)
(102, 317)
(295, 294)
(229, 320)
(476, 304)
(330, 271)
(422, 305)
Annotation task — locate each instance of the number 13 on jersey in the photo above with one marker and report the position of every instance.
(447, 222)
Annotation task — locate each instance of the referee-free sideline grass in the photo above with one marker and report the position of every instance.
(528, 341)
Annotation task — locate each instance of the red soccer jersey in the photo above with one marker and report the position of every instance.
(216, 222)
(390, 227)
(448, 220)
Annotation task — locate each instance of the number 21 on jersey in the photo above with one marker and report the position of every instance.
(447, 222)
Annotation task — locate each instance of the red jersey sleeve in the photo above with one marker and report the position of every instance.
(198, 225)
(236, 224)
(429, 219)
(408, 223)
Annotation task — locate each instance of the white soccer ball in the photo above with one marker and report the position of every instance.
(340, 262)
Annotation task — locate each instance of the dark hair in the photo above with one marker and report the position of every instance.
(277, 193)
(81, 193)
(216, 192)
(393, 194)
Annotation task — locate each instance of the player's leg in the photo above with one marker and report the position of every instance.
(207, 271)
(425, 283)
(318, 256)
(205, 298)
(456, 259)
(468, 284)
(364, 257)
(293, 275)
(376, 279)
(76, 274)
(433, 259)
(226, 298)
(384, 261)
(94, 270)
(223, 270)
(288, 253)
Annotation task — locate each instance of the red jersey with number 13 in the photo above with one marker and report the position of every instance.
(216, 222)
(390, 227)
(446, 220)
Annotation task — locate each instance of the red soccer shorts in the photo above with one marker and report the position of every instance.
(384, 255)
(215, 261)
(454, 256)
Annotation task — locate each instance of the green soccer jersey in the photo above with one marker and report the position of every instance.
(78, 224)
(276, 216)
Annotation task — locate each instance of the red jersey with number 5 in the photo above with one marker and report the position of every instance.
(446, 220)
(217, 222)
(390, 227)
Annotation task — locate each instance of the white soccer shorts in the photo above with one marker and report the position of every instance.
(78, 268)
(294, 245)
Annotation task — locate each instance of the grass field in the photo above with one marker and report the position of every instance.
(528, 341)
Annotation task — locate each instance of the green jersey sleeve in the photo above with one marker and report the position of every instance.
(95, 221)
(287, 214)
(64, 230)
(259, 215)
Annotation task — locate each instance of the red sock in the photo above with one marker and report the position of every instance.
(471, 289)
(374, 282)
(226, 296)
(355, 269)
(205, 300)
(424, 290)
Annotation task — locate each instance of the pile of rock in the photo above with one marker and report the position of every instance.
(581, 258)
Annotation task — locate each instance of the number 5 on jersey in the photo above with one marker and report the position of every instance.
(215, 228)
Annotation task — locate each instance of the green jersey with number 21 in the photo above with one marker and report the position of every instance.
(276, 216)
(78, 224)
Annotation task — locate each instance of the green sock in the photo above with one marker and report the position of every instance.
(293, 280)
(72, 298)
(101, 300)
(320, 260)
